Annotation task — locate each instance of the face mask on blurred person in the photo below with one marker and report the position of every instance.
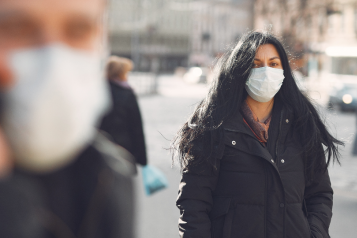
(51, 111)
(263, 83)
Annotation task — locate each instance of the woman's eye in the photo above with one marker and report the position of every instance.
(274, 64)
(18, 29)
(78, 31)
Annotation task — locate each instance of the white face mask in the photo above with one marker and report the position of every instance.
(51, 112)
(263, 83)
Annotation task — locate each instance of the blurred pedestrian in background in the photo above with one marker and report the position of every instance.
(252, 152)
(67, 180)
(123, 123)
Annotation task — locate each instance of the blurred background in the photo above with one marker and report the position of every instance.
(174, 44)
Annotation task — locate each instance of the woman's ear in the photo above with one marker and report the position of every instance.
(6, 76)
(6, 162)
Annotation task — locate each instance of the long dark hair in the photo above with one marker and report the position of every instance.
(198, 139)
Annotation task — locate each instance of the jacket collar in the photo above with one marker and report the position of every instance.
(275, 129)
(236, 122)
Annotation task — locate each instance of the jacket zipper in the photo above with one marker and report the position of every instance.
(266, 200)
(277, 141)
(277, 162)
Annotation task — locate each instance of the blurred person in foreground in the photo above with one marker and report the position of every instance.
(123, 123)
(67, 180)
(252, 153)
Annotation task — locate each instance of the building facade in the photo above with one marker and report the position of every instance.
(161, 35)
(154, 33)
(309, 28)
(216, 26)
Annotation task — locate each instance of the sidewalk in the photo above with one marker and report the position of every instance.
(163, 115)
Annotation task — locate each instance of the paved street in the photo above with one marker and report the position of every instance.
(163, 114)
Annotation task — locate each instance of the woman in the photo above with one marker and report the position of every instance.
(252, 152)
(123, 123)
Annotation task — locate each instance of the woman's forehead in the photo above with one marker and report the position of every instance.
(267, 51)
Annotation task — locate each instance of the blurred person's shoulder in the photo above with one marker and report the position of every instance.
(121, 92)
(104, 155)
(115, 157)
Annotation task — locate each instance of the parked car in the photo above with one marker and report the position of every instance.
(344, 98)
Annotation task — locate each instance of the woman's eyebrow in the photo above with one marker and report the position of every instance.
(275, 57)
(11, 15)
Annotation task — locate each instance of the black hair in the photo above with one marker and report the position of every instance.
(198, 139)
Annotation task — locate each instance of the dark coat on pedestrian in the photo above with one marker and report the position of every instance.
(257, 190)
(123, 123)
(89, 198)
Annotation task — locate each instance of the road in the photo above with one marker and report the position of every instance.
(163, 114)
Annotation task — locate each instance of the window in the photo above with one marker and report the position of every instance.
(342, 21)
(330, 20)
(321, 20)
(355, 21)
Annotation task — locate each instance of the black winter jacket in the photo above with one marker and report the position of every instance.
(257, 191)
(123, 123)
(89, 198)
